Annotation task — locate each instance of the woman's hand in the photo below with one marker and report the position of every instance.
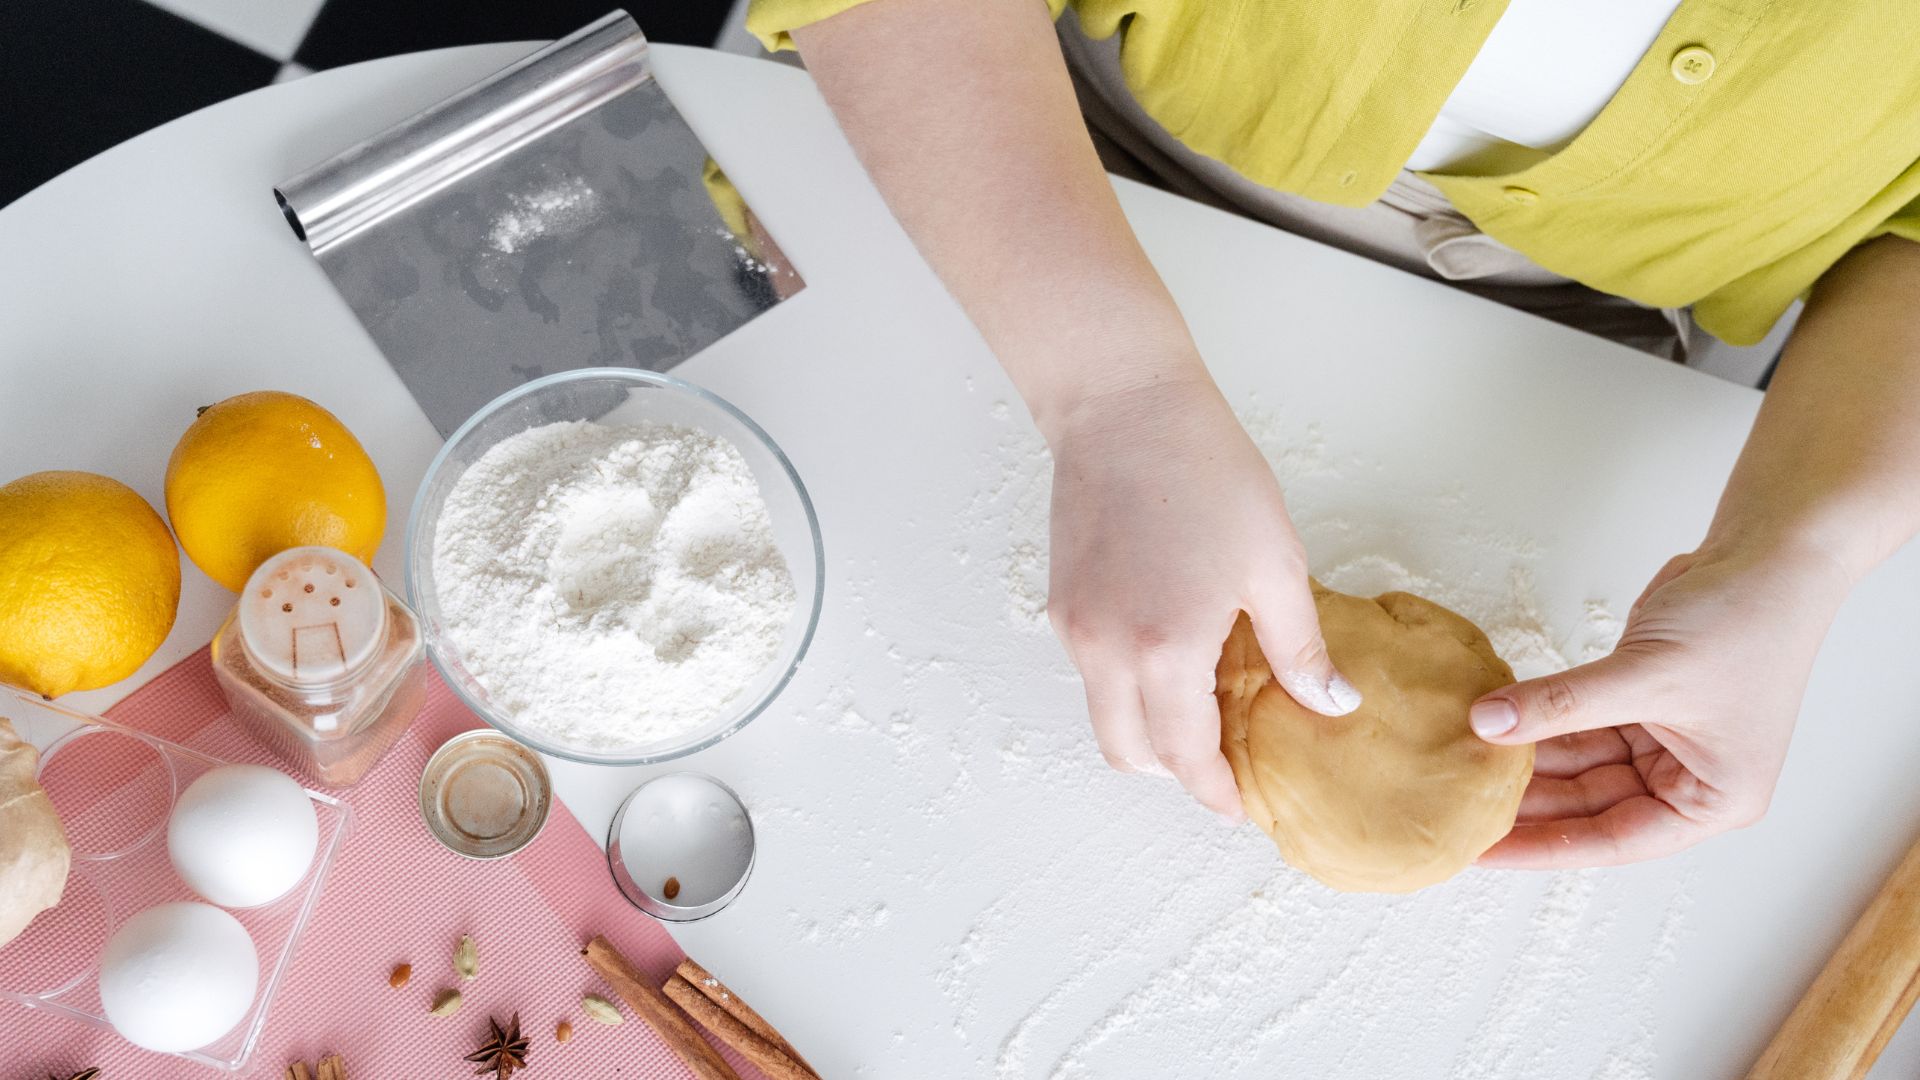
(1167, 522)
(1680, 733)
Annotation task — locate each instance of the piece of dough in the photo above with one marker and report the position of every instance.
(33, 847)
(1398, 795)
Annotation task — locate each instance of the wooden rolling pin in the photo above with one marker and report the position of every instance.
(1868, 986)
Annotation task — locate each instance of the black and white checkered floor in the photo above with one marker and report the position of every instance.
(79, 76)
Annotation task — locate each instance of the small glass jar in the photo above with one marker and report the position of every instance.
(321, 663)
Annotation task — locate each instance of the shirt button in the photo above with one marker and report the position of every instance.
(1693, 65)
(1520, 196)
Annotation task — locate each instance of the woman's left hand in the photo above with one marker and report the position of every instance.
(1680, 733)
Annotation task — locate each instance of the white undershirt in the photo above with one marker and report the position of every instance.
(1546, 71)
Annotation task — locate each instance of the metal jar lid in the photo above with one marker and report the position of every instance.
(681, 846)
(483, 795)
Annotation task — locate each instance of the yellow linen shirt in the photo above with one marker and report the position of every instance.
(1755, 143)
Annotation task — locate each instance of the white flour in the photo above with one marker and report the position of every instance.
(558, 209)
(608, 586)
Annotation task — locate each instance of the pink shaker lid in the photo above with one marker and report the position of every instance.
(312, 615)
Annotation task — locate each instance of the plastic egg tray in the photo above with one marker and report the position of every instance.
(114, 789)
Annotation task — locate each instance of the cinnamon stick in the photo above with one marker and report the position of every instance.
(651, 1005)
(762, 1052)
(722, 995)
(331, 1067)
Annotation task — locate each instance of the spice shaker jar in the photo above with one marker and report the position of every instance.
(321, 663)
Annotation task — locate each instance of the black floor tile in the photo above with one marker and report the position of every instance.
(79, 76)
(348, 31)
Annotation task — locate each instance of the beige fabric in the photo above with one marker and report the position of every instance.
(1412, 226)
(1398, 795)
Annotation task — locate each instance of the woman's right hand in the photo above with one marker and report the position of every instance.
(1167, 523)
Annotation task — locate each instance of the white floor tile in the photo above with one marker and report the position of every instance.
(274, 27)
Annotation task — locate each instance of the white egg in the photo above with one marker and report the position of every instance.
(243, 835)
(178, 976)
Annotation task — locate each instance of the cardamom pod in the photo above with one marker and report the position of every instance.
(447, 1003)
(601, 1009)
(466, 958)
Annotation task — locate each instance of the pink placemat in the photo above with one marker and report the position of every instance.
(396, 896)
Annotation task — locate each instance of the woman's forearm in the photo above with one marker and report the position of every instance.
(963, 113)
(1830, 477)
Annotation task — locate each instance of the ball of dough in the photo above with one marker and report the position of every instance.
(1398, 795)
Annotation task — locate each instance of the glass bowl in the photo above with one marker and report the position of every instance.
(621, 396)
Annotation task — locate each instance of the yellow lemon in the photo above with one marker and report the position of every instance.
(89, 582)
(263, 472)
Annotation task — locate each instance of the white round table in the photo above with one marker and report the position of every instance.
(949, 884)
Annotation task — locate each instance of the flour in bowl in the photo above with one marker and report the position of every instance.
(611, 587)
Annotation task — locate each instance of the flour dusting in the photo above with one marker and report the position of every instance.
(611, 586)
(557, 209)
(1020, 488)
(1510, 617)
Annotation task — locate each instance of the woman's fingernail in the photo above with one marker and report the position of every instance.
(1493, 718)
(1346, 696)
(1150, 767)
(1337, 697)
(1307, 690)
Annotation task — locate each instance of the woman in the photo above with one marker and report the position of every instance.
(1717, 157)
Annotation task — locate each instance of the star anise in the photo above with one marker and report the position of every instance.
(504, 1052)
(83, 1074)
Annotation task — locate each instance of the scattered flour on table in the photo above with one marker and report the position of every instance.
(557, 209)
(611, 586)
(1511, 618)
(1018, 490)
(841, 929)
(1545, 970)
